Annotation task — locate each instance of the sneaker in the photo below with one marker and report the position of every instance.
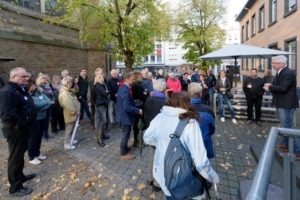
(222, 119)
(74, 141)
(67, 146)
(41, 157)
(35, 161)
(282, 147)
(234, 121)
(81, 122)
(128, 156)
(22, 192)
(249, 122)
(259, 123)
(29, 177)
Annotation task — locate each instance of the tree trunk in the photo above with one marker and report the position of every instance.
(128, 60)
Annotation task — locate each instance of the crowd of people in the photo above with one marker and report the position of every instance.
(151, 106)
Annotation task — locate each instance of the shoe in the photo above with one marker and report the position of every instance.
(74, 141)
(35, 161)
(81, 122)
(67, 146)
(22, 192)
(234, 121)
(50, 136)
(105, 137)
(282, 147)
(29, 177)
(222, 119)
(101, 143)
(155, 188)
(128, 156)
(249, 122)
(259, 123)
(41, 157)
(297, 156)
(92, 127)
(150, 182)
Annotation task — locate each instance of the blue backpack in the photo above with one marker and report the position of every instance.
(181, 176)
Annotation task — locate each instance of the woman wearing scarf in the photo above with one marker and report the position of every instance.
(139, 94)
(173, 83)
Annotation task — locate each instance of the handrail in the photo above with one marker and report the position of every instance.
(260, 184)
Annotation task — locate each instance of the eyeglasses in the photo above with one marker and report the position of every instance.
(23, 76)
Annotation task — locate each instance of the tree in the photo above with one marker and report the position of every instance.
(198, 23)
(132, 26)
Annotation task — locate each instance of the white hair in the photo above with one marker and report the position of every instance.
(98, 69)
(159, 85)
(113, 71)
(15, 72)
(40, 77)
(281, 59)
(149, 74)
(194, 90)
(64, 71)
(66, 80)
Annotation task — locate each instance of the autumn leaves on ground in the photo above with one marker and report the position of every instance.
(62, 176)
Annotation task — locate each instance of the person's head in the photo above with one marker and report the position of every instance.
(114, 73)
(279, 62)
(65, 73)
(159, 85)
(42, 79)
(172, 75)
(99, 79)
(201, 77)
(160, 72)
(146, 69)
(31, 86)
(269, 72)
(31, 74)
(208, 72)
(149, 76)
(189, 71)
(118, 71)
(195, 91)
(82, 73)
(222, 74)
(253, 73)
(185, 75)
(128, 78)
(144, 73)
(196, 70)
(55, 79)
(98, 71)
(19, 75)
(67, 82)
(182, 100)
(138, 76)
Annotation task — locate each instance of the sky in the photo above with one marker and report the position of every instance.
(235, 7)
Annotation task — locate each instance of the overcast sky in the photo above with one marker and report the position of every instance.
(235, 7)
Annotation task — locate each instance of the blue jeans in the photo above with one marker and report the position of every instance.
(269, 104)
(210, 92)
(220, 102)
(84, 107)
(285, 117)
(46, 123)
(126, 129)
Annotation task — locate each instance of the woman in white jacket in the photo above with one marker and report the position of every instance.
(164, 124)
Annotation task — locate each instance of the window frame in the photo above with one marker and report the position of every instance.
(270, 46)
(262, 8)
(247, 30)
(261, 65)
(270, 12)
(243, 36)
(286, 48)
(287, 12)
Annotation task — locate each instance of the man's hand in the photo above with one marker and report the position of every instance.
(79, 97)
(141, 112)
(267, 86)
(222, 89)
(78, 114)
(52, 102)
(90, 104)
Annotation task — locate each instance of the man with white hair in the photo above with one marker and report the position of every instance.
(146, 83)
(113, 86)
(285, 99)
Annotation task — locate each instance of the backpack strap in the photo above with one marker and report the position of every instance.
(203, 181)
(179, 129)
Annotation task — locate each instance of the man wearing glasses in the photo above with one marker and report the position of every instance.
(284, 99)
(17, 113)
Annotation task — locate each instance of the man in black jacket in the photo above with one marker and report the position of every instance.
(113, 86)
(17, 113)
(285, 99)
(253, 89)
(83, 85)
(211, 82)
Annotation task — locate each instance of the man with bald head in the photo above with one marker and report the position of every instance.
(113, 86)
(17, 113)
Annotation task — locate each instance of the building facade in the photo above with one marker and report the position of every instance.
(270, 24)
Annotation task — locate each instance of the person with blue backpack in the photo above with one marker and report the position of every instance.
(171, 173)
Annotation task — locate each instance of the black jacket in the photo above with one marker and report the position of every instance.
(152, 107)
(284, 90)
(113, 86)
(138, 92)
(219, 85)
(1, 83)
(101, 94)
(184, 84)
(17, 108)
(211, 81)
(256, 85)
(83, 85)
(160, 77)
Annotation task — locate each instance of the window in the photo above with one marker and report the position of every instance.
(275, 47)
(243, 62)
(253, 63)
(158, 46)
(262, 65)
(290, 45)
(273, 12)
(31, 5)
(158, 58)
(146, 59)
(262, 18)
(152, 58)
(242, 34)
(229, 37)
(247, 65)
(289, 7)
(253, 25)
(247, 30)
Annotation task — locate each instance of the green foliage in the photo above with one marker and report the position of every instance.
(198, 23)
(132, 26)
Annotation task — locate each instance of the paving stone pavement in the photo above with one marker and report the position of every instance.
(233, 161)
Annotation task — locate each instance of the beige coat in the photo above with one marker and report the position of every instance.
(68, 101)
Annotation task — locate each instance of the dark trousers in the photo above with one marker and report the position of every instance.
(17, 145)
(84, 108)
(257, 103)
(57, 117)
(35, 139)
(93, 111)
(124, 140)
(47, 122)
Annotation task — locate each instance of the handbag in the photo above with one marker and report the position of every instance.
(229, 95)
(138, 103)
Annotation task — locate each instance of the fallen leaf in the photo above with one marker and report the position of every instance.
(56, 161)
(126, 197)
(139, 171)
(5, 160)
(110, 192)
(153, 196)
(37, 180)
(100, 176)
(136, 198)
(50, 149)
(142, 186)
(5, 178)
(134, 178)
(127, 191)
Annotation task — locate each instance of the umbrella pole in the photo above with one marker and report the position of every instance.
(235, 81)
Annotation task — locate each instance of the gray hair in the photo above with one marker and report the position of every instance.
(40, 77)
(113, 71)
(98, 69)
(281, 59)
(64, 71)
(195, 90)
(159, 85)
(66, 80)
(149, 74)
(15, 72)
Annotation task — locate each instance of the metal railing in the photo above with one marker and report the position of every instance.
(260, 184)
